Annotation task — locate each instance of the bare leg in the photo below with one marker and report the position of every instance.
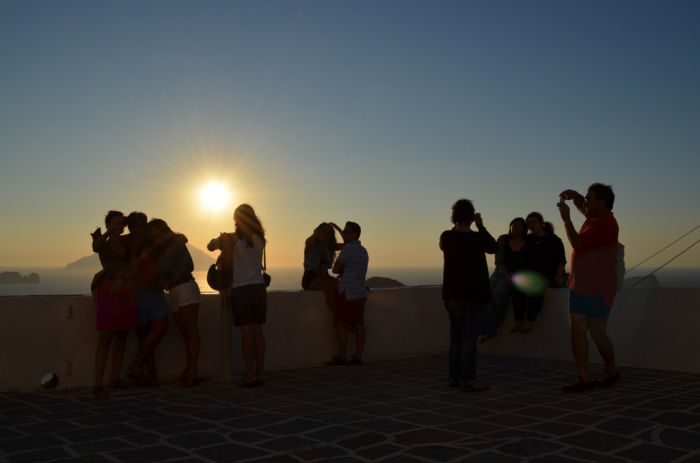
(579, 343)
(259, 351)
(341, 334)
(118, 355)
(187, 321)
(156, 330)
(102, 352)
(180, 324)
(248, 348)
(359, 342)
(598, 327)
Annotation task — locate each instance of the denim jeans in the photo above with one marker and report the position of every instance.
(465, 321)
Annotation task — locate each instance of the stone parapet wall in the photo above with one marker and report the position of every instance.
(654, 328)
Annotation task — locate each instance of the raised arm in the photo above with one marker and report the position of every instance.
(571, 233)
(578, 199)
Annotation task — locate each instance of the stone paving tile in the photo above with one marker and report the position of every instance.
(594, 440)
(530, 447)
(650, 453)
(99, 432)
(32, 442)
(377, 452)
(230, 452)
(293, 426)
(677, 419)
(194, 440)
(426, 436)
(332, 433)
(385, 411)
(86, 459)
(362, 440)
(324, 452)
(490, 457)
(553, 428)
(99, 446)
(437, 452)
(287, 443)
(143, 438)
(680, 439)
(52, 453)
(148, 454)
(586, 455)
(256, 420)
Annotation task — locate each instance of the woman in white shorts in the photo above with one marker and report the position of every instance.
(175, 269)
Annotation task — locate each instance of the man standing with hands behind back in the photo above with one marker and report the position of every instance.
(592, 281)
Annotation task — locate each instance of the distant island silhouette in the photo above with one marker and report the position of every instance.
(91, 263)
(383, 282)
(15, 277)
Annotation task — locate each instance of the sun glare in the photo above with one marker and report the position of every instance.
(214, 196)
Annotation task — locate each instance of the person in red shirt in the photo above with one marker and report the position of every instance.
(592, 281)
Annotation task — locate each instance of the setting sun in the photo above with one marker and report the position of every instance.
(214, 196)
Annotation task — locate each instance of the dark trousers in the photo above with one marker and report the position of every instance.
(465, 320)
(526, 307)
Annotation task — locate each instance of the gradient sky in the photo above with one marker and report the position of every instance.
(381, 112)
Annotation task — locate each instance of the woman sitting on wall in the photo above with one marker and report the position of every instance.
(319, 254)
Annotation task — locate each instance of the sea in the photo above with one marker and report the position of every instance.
(58, 281)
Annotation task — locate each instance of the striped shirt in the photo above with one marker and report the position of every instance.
(354, 259)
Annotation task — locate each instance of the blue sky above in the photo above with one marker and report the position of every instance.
(381, 112)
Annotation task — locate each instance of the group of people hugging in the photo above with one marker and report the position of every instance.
(141, 268)
(129, 292)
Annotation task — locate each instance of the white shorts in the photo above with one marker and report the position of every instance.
(185, 294)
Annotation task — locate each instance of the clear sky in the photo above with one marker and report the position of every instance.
(381, 112)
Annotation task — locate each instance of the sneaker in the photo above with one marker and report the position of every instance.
(337, 362)
(607, 380)
(473, 386)
(581, 386)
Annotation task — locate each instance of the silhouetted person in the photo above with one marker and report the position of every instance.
(351, 265)
(592, 281)
(466, 290)
(510, 259)
(153, 307)
(115, 297)
(319, 254)
(545, 260)
(248, 294)
(175, 267)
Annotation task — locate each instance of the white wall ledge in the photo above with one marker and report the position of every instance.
(652, 328)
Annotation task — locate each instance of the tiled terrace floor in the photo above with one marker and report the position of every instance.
(399, 411)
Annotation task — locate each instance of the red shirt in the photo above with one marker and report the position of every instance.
(594, 265)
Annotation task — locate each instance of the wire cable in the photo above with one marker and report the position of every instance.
(665, 264)
(663, 249)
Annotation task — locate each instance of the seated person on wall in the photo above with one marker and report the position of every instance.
(319, 254)
(544, 264)
(351, 265)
